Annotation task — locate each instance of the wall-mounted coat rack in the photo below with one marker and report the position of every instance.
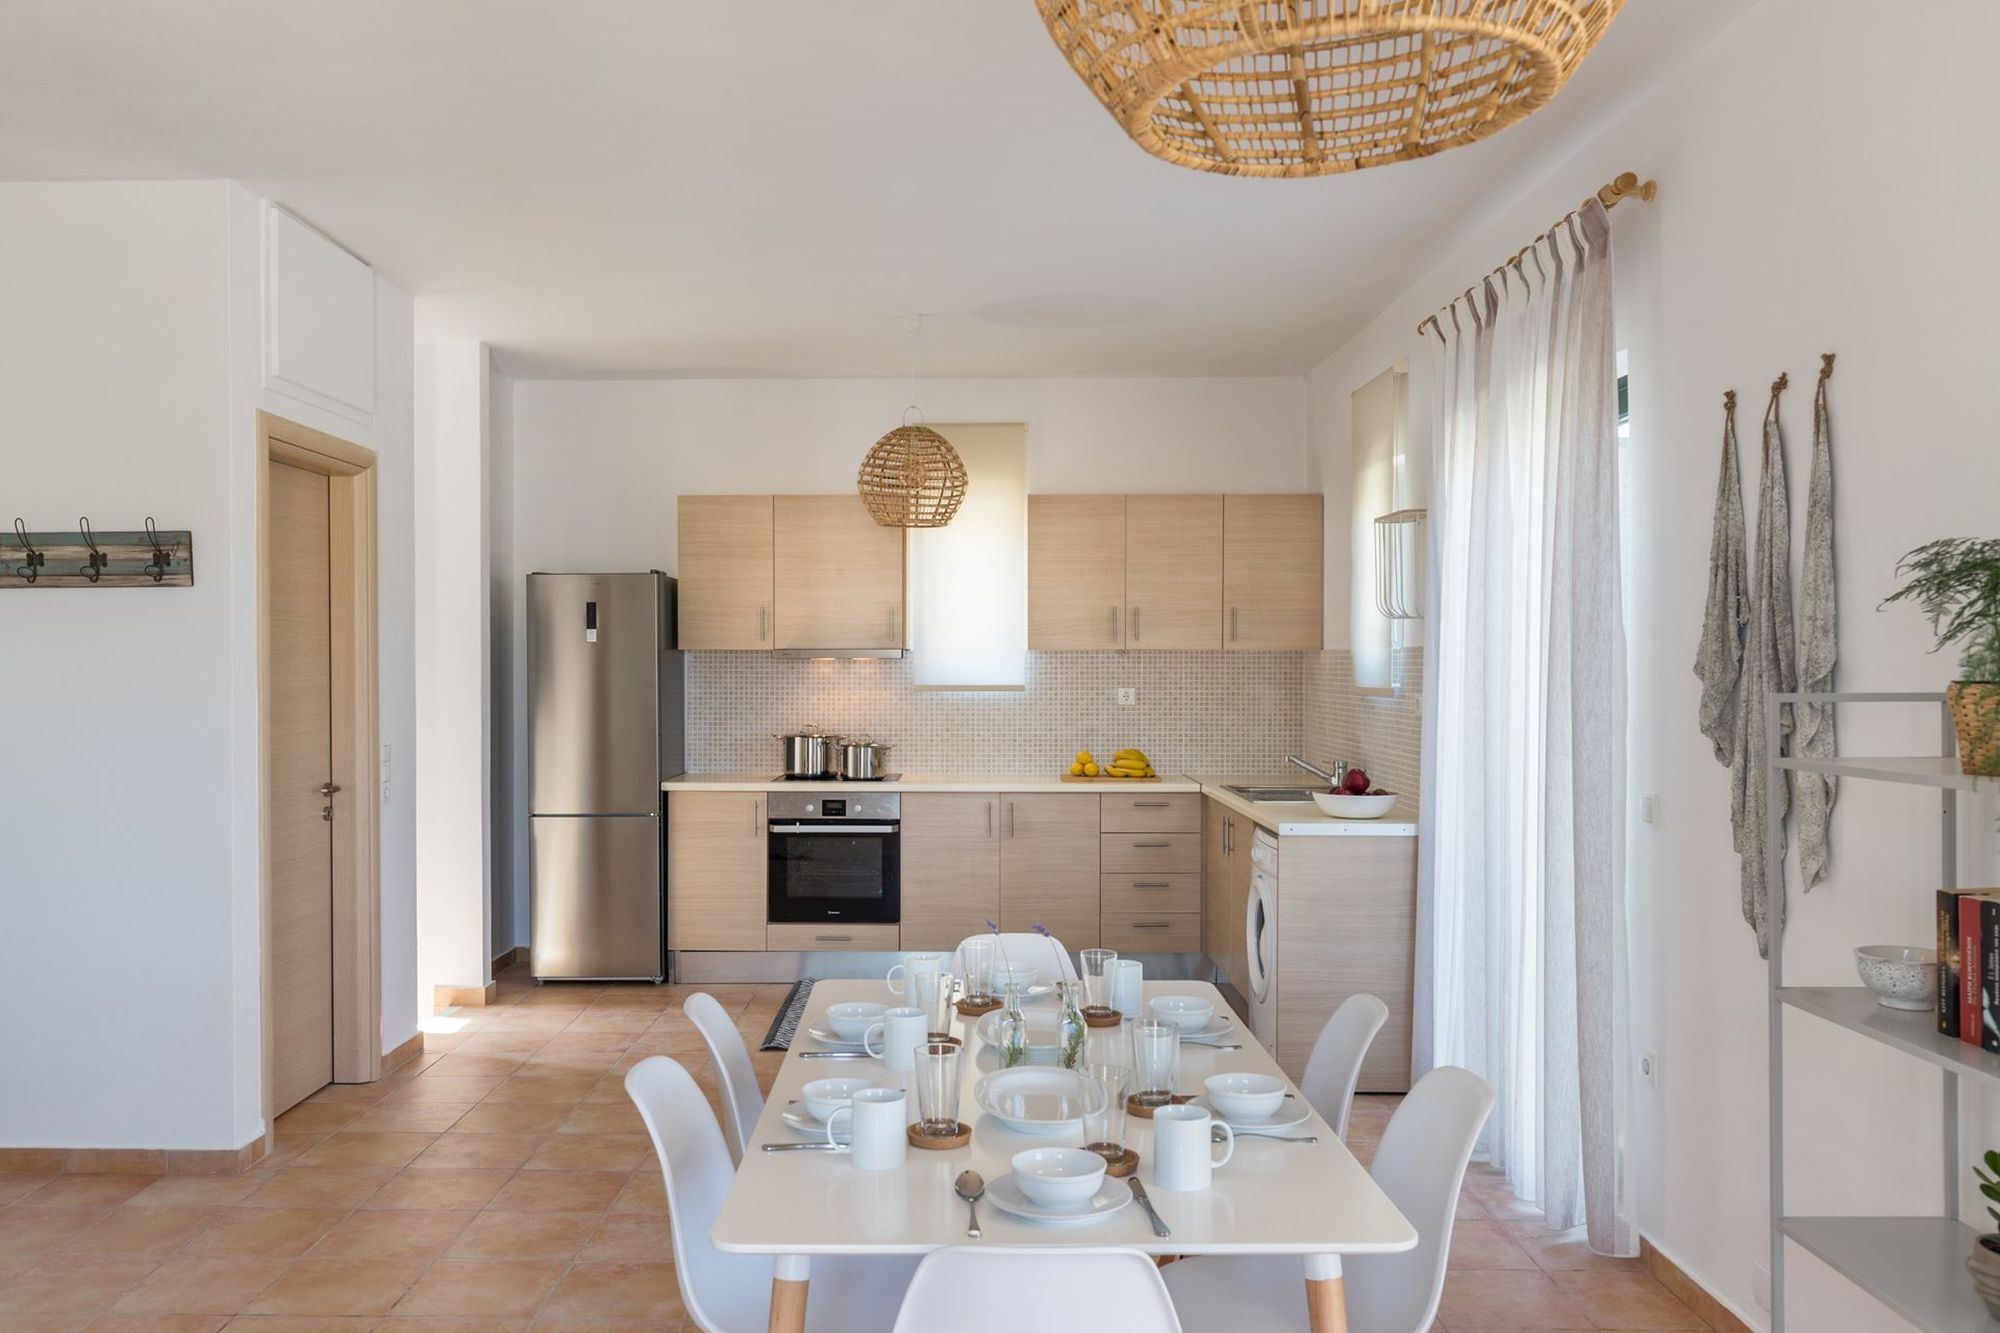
(87, 559)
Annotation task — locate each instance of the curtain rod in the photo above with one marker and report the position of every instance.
(1626, 185)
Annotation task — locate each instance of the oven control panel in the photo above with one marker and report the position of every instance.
(873, 807)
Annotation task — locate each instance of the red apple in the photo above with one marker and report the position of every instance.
(1357, 783)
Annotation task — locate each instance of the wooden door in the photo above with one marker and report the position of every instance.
(725, 571)
(839, 575)
(1076, 571)
(300, 814)
(951, 868)
(1173, 571)
(1271, 572)
(717, 856)
(1048, 866)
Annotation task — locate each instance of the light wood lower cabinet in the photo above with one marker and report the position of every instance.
(797, 937)
(1048, 866)
(951, 868)
(717, 856)
(1152, 932)
(1151, 853)
(1150, 895)
(1136, 812)
(1225, 891)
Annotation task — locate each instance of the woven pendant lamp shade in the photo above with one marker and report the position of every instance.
(1314, 87)
(912, 478)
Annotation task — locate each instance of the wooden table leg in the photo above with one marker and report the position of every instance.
(1326, 1294)
(789, 1280)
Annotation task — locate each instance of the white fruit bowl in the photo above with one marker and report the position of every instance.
(1343, 806)
(1901, 977)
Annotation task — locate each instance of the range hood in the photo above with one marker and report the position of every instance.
(849, 653)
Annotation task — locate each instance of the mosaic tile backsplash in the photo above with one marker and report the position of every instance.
(1198, 712)
(1384, 734)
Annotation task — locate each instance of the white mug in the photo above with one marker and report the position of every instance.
(878, 1136)
(1128, 978)
(911, 965)
(1183, 1147)
(901, 1031)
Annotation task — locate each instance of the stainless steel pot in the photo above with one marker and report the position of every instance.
(862, 760)
(809, 753)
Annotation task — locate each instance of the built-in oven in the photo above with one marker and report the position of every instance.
(835, 858)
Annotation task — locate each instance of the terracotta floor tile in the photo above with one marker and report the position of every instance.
(318, 1117)
(338, 1286)
(645, 1193)
(392, 1116)
(614, 1020)
(608, 1091)
(455, 1065)
(352, 1094)
(431, 1088)
(616, 1290)
(45, 1323)
(440, 1188)
(195, 1191)
(559, 1089)
(317, 1187)
(346, 1148)
(276, 1232)
(518, 1042)
(511, 1118)
(504, 1152)
(73, 1283)
(560, 1192)
(450, 1324)
(498, 1235)
(128, 1230)
(158, 1323)
(291, 1323)
(631, 1236)
(602, 1118)
(1482, 1245)
(591, 1152)
(84, 1191)
(45, 1230)
(482, 1287)
(14, 1184)
(392, 1233)
(1626, 1301)
(1565, 1251)
(1507, 1301)
(192, 1284)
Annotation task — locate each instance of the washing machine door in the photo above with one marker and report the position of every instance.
(1259, 935)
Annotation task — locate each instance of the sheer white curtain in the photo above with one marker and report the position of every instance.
(1523, 856)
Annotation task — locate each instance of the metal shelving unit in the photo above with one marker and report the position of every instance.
(1913, 1265)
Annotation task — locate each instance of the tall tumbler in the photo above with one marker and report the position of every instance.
(1156, 1058)
(937, 1089)
(1097, 974)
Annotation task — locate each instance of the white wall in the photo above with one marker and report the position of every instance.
(129, 379)
(598, 464)
(1814, 196)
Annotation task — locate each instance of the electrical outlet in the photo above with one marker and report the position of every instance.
(1128, 697)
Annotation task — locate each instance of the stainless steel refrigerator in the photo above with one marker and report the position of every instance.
(606, 723)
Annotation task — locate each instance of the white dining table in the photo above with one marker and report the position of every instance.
(1313, 1200)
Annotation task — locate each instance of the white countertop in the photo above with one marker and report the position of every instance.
(1306, 821)
(966, 782)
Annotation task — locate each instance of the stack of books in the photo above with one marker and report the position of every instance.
(1968, 950)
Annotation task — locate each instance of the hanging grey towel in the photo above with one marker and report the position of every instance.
(1767, 666)
(1719, 659)
(1819, 649)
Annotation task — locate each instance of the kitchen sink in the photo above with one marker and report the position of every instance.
(1273, 795)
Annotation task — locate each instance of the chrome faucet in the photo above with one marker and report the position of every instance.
(1333, 779)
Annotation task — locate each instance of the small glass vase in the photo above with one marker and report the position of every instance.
(1013, 1028)
(1073, 1033)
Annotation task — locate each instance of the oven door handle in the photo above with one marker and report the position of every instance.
(832, 828)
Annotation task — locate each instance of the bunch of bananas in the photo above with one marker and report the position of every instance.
(1126, 763)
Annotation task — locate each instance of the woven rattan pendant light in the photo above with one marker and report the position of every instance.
(1313, 87)
(912, 478)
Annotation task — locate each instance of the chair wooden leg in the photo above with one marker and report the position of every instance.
(1326, 1305)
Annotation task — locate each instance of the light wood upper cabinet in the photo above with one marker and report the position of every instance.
(716, 863)
(838, 575)
(1173, 571)
(1048, 866)
(951, 868)
(725, 571)
(1076, 571)
(1271, 572)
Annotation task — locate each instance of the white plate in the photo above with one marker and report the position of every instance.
(1006, 1195)
(1032, 1100)
(1291, 1111)
(1218, 1027)
(799, 1119)
(831, 1040)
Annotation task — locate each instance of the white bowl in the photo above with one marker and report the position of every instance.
(1189, 1013)
(1024, 973)
(1059, 1177)
(824, 1096)
(853, 1018)
(1036, 1099)
(1245, 1097)
(1343, 806)
(1901, 977)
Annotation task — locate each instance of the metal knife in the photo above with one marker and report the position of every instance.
(834, 1055)
(806, 1147)
(1160, 1227)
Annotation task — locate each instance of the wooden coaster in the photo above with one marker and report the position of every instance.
(941, 1143)
(1102, 1018)
(1133, 1105)
(1121, 1166)
(967, 1009)
(944, 1039)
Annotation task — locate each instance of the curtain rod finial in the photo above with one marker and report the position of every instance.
(1825, 365)
(1729, 400)
(1780, 384)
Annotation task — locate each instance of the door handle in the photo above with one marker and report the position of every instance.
(326, 791)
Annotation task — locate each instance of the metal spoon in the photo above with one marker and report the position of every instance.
(970, 1186)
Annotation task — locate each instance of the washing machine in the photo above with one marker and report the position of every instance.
(1260, 941)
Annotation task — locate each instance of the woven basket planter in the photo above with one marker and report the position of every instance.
(1975, 708)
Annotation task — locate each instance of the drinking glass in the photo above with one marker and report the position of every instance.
(937, 1089)
(1156, 1058)
(933, 996)
(1104, 1129)
(1097, 979)
(975, 960)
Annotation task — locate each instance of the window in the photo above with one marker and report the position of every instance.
(1380, 414)
(969, 579)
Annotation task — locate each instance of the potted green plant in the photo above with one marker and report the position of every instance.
(1984, 1261)
(1956, 580)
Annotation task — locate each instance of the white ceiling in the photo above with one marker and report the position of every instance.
(640, 187)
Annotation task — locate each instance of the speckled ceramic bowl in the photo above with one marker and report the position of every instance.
(1900, 977)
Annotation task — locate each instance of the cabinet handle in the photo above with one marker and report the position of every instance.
(763, 623)
(1010, 819)
(1151, 884)
(1135, 624)
(1151, 846)
(892, 627)
(1227, 826)
(1151, 925)
(1114, 624)
(756, 821)
(1151, 805)
(989, 819)
(1232, 624)
(833, 939)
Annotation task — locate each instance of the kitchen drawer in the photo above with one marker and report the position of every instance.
(790, 937)
(1151, 894)
(1152, 932)
(1150, 853)
(1160, 812)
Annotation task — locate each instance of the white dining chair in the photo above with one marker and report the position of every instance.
(1420, 1166)
(1005, 1289)
(1334, 1068)
(1044, 951)
(742, 1100)
(731, 1293)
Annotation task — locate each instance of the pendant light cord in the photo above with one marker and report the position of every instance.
(915, 324)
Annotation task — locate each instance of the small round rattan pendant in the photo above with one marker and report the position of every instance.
(912, 478)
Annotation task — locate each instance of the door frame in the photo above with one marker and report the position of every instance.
(350, 471)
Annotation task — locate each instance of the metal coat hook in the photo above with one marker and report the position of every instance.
(93, 569)
(162, 557)
(32, 570)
